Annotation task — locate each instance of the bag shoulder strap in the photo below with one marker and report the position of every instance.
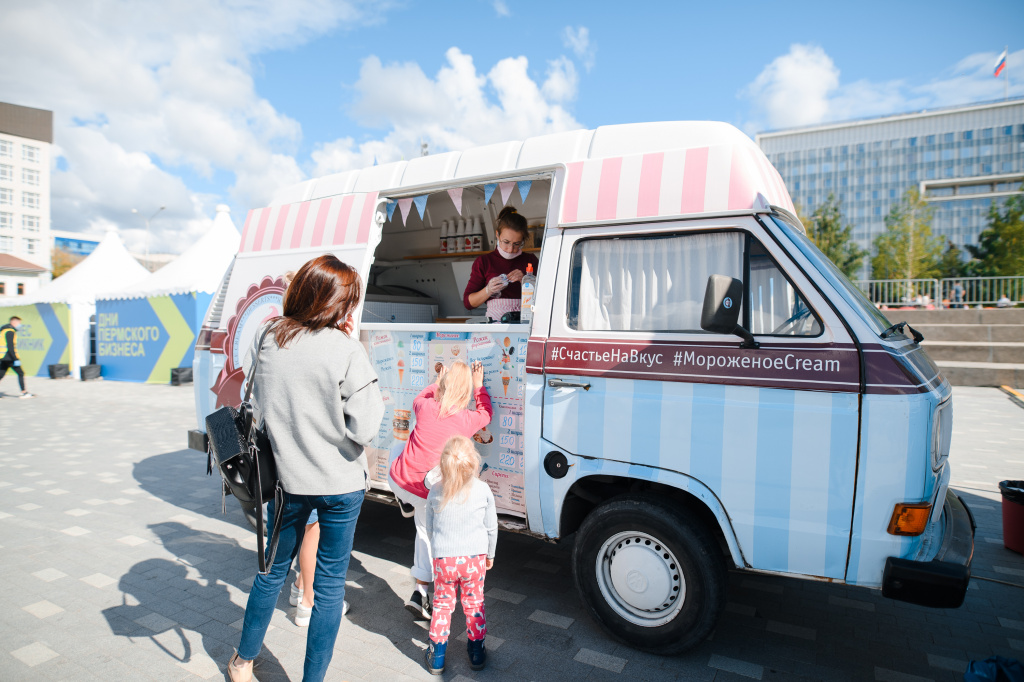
(256, 363)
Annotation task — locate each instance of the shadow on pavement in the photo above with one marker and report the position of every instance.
(185, 603)
(179, 478)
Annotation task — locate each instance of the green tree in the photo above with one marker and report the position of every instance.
(1000, 248)
(952, 264)
(907, 249)
(825, 228)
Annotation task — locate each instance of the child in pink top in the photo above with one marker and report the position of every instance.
(441, 411)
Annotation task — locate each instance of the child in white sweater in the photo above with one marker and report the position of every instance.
(462, 524)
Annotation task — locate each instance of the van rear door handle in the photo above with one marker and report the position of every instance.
(559, 383)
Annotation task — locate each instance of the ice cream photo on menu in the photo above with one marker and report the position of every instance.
(401, 361)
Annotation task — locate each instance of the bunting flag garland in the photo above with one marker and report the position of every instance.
(456, 195)
(488, 191)
(421, 204)
(524, 188)
(506, 191)
(405, 205)
(391, 208)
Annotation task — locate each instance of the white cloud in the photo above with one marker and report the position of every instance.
(501, 8)
(794, 89)
(458, 108)
(803, 87)
(578, 40)
(143, 91)
(562, 82)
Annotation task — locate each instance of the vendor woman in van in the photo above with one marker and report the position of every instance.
(486, 284)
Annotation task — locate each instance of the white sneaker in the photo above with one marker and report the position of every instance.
(303, 615)
(295, 596)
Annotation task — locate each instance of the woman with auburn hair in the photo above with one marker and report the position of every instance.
(496, 276)
(441, 411)
(320, 401)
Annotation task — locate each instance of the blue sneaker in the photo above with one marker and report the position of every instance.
(477, 654)
(435, 657)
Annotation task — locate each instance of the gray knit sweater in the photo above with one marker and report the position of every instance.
(321, 403)
(465, 528)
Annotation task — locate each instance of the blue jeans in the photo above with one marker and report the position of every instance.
(338, 515)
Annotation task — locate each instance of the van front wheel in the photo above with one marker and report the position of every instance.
(650, 573)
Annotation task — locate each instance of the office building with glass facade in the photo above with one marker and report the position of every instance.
(961, 158)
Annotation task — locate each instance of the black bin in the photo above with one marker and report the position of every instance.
(181, 375)
(90, 372)
(59, 371)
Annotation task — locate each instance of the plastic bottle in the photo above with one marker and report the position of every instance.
(478, 236)
(465, 236)
(460, 237)
(444, 237)
(529, 286)
(453, 242)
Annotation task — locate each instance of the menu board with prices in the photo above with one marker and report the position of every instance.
(408, 362)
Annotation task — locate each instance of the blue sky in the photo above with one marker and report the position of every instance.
(199, 102)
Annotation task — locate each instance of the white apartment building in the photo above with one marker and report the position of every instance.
(26, 138)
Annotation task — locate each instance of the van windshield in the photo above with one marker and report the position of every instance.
(847, 289)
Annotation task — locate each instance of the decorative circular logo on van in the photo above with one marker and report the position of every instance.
(636, 581)
(262, 302)
(727, 303)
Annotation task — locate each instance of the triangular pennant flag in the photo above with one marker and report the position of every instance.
(391, 208)
(405, 205)
(375, 161)
(506, 190)
(488, 191)
(421, 204)
(456, 195)
(524, 188)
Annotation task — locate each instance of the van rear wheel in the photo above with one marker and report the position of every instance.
(650, 573)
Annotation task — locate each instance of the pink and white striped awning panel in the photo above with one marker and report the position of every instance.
(676, 182)
(334, 221)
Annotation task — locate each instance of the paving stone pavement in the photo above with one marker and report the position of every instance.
(120, 566)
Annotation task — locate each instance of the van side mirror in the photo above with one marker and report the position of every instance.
(721, 312)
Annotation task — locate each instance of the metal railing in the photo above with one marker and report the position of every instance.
(902, 292)
(944, 293)
(983, 291)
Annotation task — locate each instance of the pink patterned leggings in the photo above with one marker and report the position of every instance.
(466, 572)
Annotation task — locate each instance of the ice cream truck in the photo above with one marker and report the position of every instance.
(699, 390)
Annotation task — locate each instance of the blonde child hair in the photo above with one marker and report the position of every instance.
(460, 464)
(455, 389)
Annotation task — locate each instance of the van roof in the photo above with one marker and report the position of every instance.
(634, 170)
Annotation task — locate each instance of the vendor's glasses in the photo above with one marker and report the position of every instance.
(515, 245)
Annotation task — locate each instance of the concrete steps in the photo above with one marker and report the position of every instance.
(974, 351)
(972, 347)
(983, 373)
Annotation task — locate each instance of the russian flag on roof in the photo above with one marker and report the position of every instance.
(1000, 64)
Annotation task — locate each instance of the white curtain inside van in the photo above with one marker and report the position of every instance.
(651, 283)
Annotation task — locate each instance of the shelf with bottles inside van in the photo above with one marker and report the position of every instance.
(429, 245)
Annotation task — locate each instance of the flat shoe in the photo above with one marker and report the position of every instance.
(239, 674)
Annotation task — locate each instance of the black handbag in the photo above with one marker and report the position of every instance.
(245, 459)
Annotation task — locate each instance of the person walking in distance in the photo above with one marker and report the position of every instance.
(462, 523)
(442, 411)
(9, 360)
(320, 401)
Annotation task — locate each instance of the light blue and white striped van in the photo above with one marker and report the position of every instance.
(700, 389)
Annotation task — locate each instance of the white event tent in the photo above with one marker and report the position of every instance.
(149, 328)
(58, 314)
